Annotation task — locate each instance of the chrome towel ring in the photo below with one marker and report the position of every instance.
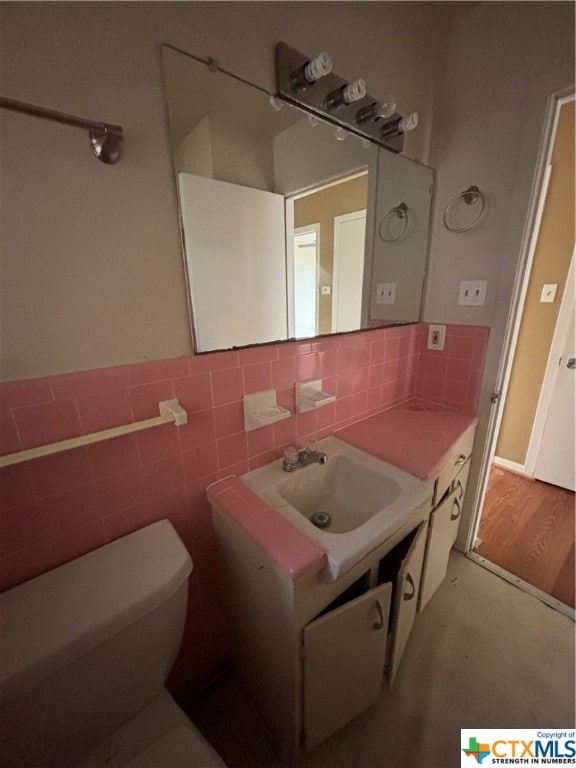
(401, 211)
(470, 197)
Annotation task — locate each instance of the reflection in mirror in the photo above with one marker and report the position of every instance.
(280, 214)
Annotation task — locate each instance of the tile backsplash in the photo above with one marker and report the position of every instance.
(59, 507)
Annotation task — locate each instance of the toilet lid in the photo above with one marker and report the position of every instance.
(180, 748)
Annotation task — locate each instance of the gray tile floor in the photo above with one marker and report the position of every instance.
(483, 654)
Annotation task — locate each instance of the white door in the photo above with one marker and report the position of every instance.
(348, 271)
(344, 654)
(306, 281)
(555, 458)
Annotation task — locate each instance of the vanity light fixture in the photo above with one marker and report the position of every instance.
(312, 85)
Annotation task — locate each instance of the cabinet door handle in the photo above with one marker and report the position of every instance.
(380, 623)
(460, 460)
(460, 487)
(410, 595)
(456, 503)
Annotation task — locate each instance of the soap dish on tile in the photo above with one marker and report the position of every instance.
(309, 395)
(261, 409)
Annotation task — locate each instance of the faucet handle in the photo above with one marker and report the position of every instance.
(291, 456)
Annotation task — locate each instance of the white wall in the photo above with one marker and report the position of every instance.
(505, 60)
(92, 270)
(305, 157)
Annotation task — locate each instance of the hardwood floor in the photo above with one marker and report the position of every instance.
(527, 528)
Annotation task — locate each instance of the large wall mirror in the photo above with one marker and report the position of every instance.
(292, 228)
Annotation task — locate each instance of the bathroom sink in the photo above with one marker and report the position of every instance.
(348, 506)
(340, 495)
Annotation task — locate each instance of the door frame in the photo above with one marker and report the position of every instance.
(289, 220)
(342, 219)
(556, 100)
(545, 399)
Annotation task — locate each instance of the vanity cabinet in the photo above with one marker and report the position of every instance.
(449, 491)
(313, 651)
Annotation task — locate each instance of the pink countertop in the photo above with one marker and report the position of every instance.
(417, 437)
(294, 553)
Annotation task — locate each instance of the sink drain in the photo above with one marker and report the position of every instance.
(321, 519)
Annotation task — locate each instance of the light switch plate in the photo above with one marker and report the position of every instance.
(472, 293)
(386, 293)
(548, 293)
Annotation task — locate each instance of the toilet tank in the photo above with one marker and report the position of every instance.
(85, 646)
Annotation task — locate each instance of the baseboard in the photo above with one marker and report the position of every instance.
(511, 466)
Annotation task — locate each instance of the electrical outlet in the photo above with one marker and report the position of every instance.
(436, 337)
(386, 293)
(472, 293)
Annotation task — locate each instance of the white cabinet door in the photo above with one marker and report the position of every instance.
(444, 522)
(344, 654)
(406, 597)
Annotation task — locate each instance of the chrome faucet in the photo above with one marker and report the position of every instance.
(293, 459)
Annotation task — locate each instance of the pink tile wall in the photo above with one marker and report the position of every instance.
(59, 507)
(452, 377)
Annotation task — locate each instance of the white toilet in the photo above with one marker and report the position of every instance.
(85, 651)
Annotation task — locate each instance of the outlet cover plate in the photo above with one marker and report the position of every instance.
(436, 337)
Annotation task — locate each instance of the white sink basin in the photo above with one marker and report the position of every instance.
(365, 499)
(340, 495)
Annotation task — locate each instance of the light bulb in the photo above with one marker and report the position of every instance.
(399, 126)
(275, 103)
(346, 94)
(355, 91)
(340, 134)
(409, 122)
(376, 110)
(310, 72)
(318, 67)
(387, 106)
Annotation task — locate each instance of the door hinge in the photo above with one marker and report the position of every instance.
(495, 396)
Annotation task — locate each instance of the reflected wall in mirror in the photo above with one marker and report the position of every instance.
(282, 216)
